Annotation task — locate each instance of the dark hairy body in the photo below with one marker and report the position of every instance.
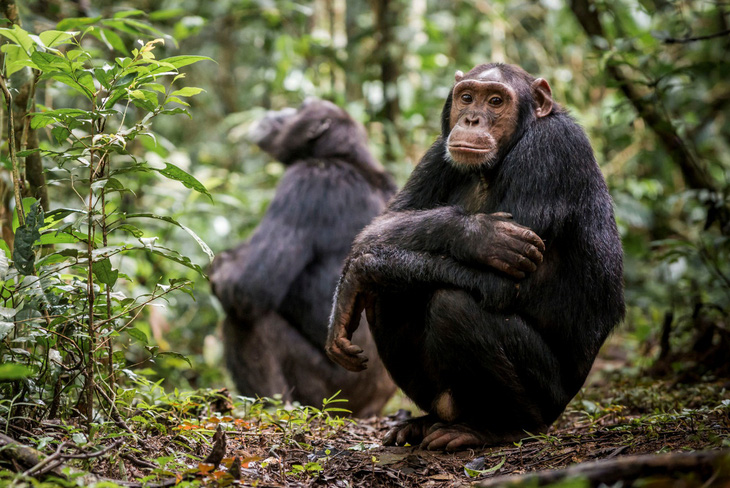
(277, 287)
(495, 275)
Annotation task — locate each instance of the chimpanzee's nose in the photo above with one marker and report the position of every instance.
(472, 120)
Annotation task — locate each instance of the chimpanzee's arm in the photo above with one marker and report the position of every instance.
(427, 216)
(394, 269)
(492, 240)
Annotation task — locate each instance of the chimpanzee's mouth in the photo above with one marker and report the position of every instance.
(470, 149)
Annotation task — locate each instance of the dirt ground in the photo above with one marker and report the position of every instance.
(661, 418)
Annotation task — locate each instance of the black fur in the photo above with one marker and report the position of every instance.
(277, 287)
(511, 353)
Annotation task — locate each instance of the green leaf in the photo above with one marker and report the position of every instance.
(136, 232)
(167, 14)
(156, 87)
(76, 23)
(26, 153)
(4, 265)
(60, 134)
(12, 372)
(170, 220)
(58, 214)
(54, 237)
(175, 111)
(137, 334)
(180, 61)
(85, 84)
(187, 91)
(174, 173)
(103, 76)
(176, 100)
(110, 184)
(128, 13)
(87, 81)
(16, 58)
(173, 256)
(53, 38)
(20, 37)
(25, 236)
(471, 469)
(5, 329)
(104, 272)
(176, 355)
(50, 62)
(38, 121)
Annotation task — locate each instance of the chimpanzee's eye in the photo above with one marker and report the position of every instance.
(495, 101)
(466, 98)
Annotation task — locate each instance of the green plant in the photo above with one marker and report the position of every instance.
(65, 317)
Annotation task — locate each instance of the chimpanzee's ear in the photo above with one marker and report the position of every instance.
(543, 96)
(458, 76)
(318, 128)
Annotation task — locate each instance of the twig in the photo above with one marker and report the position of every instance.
(49, 462)
(140, 463)
(91, 455)
(114, 412)
(683, 40)
(57, 458)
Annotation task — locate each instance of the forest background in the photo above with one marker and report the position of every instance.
(648, 80)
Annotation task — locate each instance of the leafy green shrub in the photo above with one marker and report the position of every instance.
(64, 318)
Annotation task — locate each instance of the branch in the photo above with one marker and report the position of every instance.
(695, 174)
(705, 464)
(683, 40)
(26, 456)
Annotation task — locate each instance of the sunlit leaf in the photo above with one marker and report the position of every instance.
(174, 173)
(187, 91)
(206, 249)
(18, 36)
(180, 61)
(53, 38)
(11, 371)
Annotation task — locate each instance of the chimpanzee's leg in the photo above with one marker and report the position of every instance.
(484, 377)
(497, 377)
(270, 356)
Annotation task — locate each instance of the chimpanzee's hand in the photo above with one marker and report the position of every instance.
(497, 241)
(349, 304)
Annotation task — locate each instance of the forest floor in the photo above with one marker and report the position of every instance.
(616, 416)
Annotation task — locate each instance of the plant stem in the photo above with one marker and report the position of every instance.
(89, 387)
(17, 182)
(104, 234)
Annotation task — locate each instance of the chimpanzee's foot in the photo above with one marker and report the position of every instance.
(453, 437)
(410, 431)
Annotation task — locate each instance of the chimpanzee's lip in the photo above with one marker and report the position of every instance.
(468, 148)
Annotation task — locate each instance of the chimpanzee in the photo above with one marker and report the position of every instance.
(495, 275)
(277, 288)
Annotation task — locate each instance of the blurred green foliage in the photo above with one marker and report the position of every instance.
(273, 53)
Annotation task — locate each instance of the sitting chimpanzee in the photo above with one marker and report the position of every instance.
(495, 275)
(277, 288)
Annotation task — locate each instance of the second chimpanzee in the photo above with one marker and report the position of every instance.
(495, 275)
(277, 287)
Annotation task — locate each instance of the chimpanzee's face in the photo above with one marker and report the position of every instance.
(484, 115)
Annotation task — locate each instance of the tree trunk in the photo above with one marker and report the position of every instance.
(25, 137)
